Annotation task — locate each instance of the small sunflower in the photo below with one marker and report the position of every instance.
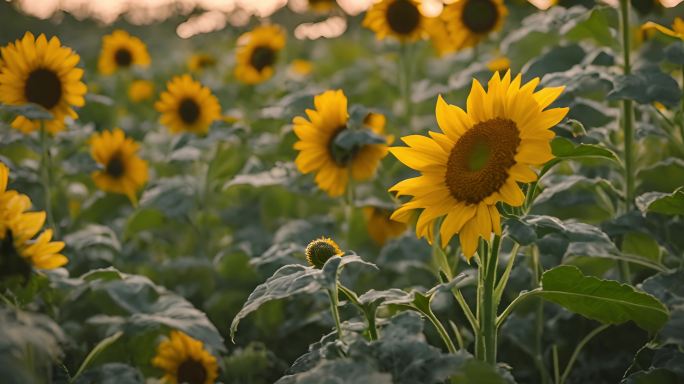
(380, 227)
(122, 170)
(316, 138)
(301, 68)
(43, 72)
(401, 19)
(122, 51)
(185, 361)
(201, 61)
(257, 53)
(187, 106)
(469, 21)
(140, 90)
(321, 250)
(478, 160)
(499, 64)
(321, 6)
(677, 30)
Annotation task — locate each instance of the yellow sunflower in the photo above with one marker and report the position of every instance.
(122, 171)
(121, 51)
(499, 64)
(43, 72)
(201, 61)
(478, 160)
(380, 227)
(321, 250)
(140, 90)
(401, 19)
(185, 361)
(677, 30)
(187, 106)
(316, 138)
(257, 53)
(469, 21)
(321, 6)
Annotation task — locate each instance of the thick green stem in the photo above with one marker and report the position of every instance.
(349, 212)
(681, 110)
(489, 307)
(539, 320)
(335, 312)
(627, 107)
(406, 73)
(481, 259)
(46, 166)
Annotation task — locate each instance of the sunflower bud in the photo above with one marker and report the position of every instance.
(321, 250)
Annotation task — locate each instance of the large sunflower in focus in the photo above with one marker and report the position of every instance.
(469, 21)
(187, 106)
(185, 361)
(257, 53)
(43, 72)
(317, 152)
(122, 170)
(401, 19)
(122, 51)
(478, 160)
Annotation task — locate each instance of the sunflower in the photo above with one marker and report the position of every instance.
(257, 53)
(499, 64)
(301, 68)
(478, 160)
(122, 51)
(321, 250)
(122, 171)
(469, 21)
(42, 72)
(321, 6)
(187, 106)
(140, 90)
(317, 152)
(401, 19)
(201, 61)
(380, 227)
(677, 30)
(185, 361)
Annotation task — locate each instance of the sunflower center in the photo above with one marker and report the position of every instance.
(262, 57)
(479, 162)
(321, 250)
(403, 16)
(115, 167)
(191, 372)
(480, 16)
(189, 111)
(123, 57)
(43, 87)
(11, 261)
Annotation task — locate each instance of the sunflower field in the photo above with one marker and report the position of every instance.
(341, 192)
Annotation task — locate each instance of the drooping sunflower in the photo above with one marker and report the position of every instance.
(140, 90)
(122, 51)
(257, 53)
(478, 159)
(469, 21)
(380, 227)
(185, 361)
(43, 72)
(122, 171)
(677, 30)
(187, 106)
(317, 134)
(201, 61)
(321, 250)
(401, 19)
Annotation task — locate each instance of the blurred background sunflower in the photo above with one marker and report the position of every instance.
(401, 19)
(121, 51)
(184, 360)
(257, 53)
(187, 106)
(469, 21)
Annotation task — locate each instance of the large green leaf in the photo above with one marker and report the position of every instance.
(565, 149)
(292, 280)
(665, 203)
(607, 301)
(646, 86)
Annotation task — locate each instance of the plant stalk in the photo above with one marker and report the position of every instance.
(627, 124)
(45, 179)
(334, 302)
(489, 307)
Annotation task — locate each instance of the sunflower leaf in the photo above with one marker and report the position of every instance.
(29, 111)
(607, 301)
(646, 86)
(665, 203)
(565, 149)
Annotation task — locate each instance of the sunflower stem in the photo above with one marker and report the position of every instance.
(349, 212)
(334, 303)
(577, 350)
(681, 110)
(489, 305)
(46, 165)
(539, 319)
(405, 83)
